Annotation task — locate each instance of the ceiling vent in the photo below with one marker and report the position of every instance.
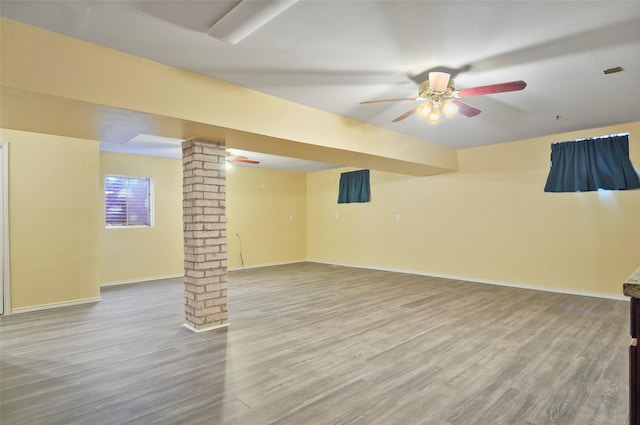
(613, 70)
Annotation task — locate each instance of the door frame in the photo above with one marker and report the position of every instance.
(4, 228)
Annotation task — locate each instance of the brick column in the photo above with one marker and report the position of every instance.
(205, 235)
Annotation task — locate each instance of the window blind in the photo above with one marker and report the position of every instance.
(127, 201)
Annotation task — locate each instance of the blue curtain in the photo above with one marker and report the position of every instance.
(354, 187)
(592, 164)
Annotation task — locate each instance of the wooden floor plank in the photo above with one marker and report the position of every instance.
(315, 344)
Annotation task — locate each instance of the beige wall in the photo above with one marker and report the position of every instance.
(491, 221)
(267, 208)
(61, 251)
(53, 214)
(259, 206)
(144, 252)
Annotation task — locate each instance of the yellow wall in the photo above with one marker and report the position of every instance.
(267, 208)
(53, 214)
(259, 206)
(491, 221)
(144, 252)
(61, 251)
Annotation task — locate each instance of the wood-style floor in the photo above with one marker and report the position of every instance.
(313, 344)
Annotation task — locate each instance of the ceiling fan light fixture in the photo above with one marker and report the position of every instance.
(425, 109)
(438, 81)
(434, 116)
(449, 109)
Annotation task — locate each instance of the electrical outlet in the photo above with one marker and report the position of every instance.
(397, 217)
(290, 218)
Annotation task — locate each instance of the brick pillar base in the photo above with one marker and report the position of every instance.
(205, 235)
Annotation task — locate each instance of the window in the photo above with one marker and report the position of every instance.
(354, 187)
(592, 164)
(128, 201)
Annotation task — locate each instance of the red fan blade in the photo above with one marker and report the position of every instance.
(464, 109)
(366, 102)
(493, 88)
(406, 114)
(244, 160)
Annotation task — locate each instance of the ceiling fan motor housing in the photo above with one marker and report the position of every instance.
(426, 92)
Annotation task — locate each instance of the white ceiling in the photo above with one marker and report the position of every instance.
(331, 55)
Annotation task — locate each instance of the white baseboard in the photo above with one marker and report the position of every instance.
(175, 276)
(55, 305)
(257, 266)
(192, 329)
(138, 280)
(486, 281)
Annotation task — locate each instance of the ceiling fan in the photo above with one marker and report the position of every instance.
(441, 97)
(243, 159)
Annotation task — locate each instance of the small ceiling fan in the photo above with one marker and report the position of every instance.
(243, 159)
(441, 97)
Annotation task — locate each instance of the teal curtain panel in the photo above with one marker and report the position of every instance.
(354, 187)
(592, 164)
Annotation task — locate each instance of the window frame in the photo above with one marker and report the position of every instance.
(151, 197)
